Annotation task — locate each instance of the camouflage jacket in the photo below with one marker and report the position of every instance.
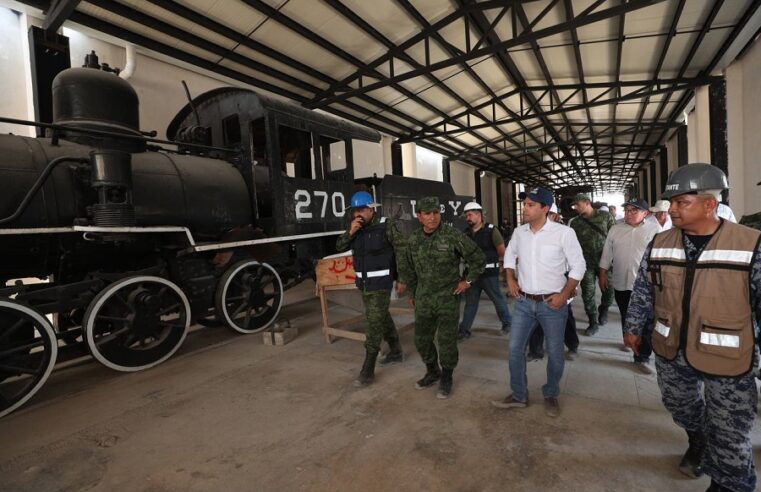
(432, 261)
(591, 232)
(753, 220)
(641, 305)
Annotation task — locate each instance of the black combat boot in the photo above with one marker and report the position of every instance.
(394, 355)
(602, 315)
(367, 374)
(431, 376)
(690, 464)
(592, 328)
(715, 487)
(445, 385)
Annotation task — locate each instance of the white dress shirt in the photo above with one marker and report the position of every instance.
(624, 248)
(666, 225)
(726, 213)
(543, 257)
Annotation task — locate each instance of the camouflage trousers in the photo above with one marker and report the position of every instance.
(436, 320)
(723, 408)
(380, 325)
(588, 286)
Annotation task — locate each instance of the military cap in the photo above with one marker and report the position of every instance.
(428, 204)
(581, 197)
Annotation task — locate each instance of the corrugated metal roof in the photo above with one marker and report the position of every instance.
(518, 88)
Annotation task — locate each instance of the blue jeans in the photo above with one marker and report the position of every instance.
(527, 315)
(473, 297)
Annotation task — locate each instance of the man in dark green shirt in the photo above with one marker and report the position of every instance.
(432, 276)
(591, 227)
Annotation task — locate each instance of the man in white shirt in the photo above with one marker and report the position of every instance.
(542, 251)
(725, 212)
(660, 215)
(623, 249)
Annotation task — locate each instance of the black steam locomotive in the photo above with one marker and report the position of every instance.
(136, 241)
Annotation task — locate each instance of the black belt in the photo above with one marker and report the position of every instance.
(535, 297)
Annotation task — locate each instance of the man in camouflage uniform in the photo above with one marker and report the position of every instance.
(705, 296)
(432, 276)
(752, 220)
(591, 227)
(376, 243)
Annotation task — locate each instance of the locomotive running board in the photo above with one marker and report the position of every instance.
(87, 229)
(236, 244)
(194, 248)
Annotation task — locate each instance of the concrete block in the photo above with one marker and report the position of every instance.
(280, 334)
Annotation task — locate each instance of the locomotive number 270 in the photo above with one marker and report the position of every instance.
(304, 200)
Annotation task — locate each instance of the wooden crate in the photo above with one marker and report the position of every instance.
(336, 272)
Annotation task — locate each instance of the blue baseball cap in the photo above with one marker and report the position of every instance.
(541, 195)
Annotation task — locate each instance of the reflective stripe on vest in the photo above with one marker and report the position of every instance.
(668, 254)
(720, 340)
(726, 255)
(662, 329)
(376, 273)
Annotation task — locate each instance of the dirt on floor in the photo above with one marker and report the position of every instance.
(229, 413)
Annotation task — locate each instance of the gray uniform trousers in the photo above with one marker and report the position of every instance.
(723, 408)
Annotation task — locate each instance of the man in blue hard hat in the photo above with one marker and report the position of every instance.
(376, 243)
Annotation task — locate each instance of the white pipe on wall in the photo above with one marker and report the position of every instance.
(131, 63)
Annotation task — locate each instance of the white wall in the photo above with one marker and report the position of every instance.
(158, 84)
(672, 150)
(461, 176)
(13, 78)
(489, 196)
(699, 129)
(368, 159)
(428, 164)
(743, 125)
(409, 159)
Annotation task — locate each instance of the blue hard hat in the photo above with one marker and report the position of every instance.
(362, 199)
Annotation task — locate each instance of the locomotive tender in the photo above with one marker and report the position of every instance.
(137, 241)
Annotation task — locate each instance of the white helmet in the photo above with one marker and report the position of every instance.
(472, 206)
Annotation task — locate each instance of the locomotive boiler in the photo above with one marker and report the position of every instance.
(136, 238)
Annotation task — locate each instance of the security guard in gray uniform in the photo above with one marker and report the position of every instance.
(702, 282)
(374, 242)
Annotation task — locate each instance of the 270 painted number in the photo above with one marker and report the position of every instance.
(304, 200)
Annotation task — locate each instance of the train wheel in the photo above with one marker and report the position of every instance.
(249, 296)
(136, 323)
(28, 350)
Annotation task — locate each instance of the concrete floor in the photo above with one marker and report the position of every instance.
(229, 413)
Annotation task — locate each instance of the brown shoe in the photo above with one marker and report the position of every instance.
(551, 407)
(509, 402)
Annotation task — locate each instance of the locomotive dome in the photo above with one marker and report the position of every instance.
(95, 99)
